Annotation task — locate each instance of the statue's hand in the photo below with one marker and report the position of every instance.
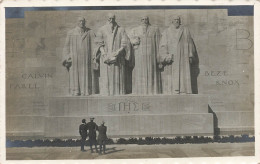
(172, 57)
(169, 59)
(190, 59)
(67, 63)
(136, 41)
(160, 65)
(95, 66)
(69, 60)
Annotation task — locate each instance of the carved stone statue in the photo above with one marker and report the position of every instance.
(177, 54)
(111, 53)
(77, 59)
(146, 78)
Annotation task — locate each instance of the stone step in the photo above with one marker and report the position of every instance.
(25, 135)
(235, 119)
(236, 130)
(127, 104)
(25, 126)
(135, 125)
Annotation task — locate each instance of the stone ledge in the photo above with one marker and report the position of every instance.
(25, 123)
(137, 125)
(238, 130)
(128, 105)
(235, 118)
(25, 134)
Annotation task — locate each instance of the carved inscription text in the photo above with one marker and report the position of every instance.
(128, 106)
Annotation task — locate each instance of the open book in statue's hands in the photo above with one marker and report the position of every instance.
(112, 58)
(167, 59)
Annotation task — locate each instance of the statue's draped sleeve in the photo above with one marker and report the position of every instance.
(188, 40)
(191, 47)
(134, 38)
(126, 44)
(157, 44)
(67, 47)
(135, 43)
(163, 48)
(99, 42)
(131, 48)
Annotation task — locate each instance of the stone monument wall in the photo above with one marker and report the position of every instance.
(34, 73)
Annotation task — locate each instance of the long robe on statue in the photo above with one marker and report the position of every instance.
(176, 76)
(79, 47)
(112, 76)
(146, 78)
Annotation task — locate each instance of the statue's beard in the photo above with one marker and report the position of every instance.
(177, 26)
(81, 26)
(111, 24)
(145, 24)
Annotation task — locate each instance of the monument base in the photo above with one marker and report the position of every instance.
(136, 125)
(131, 116)
(125, 116)
(235, 122)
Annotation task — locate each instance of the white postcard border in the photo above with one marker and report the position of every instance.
(47, 3)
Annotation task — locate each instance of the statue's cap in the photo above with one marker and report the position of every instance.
(144, 16)
(81, 18)
(111, 15)
(175, 17)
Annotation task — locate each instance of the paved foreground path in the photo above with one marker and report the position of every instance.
(134, 151)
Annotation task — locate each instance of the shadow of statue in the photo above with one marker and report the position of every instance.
(129, 66)
(215, 121)
(194, 71)
(128, 76)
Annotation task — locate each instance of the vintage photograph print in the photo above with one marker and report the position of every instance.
(129, 82)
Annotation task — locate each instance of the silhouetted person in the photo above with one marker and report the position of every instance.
(102, 136)
(92, 128)
(83, 133)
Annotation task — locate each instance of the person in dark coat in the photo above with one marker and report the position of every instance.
(92, 128)
(102, 137)
(83, 133)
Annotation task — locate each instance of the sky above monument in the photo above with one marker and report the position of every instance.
(18, 12)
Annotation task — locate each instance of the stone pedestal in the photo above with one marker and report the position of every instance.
(131, 116)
